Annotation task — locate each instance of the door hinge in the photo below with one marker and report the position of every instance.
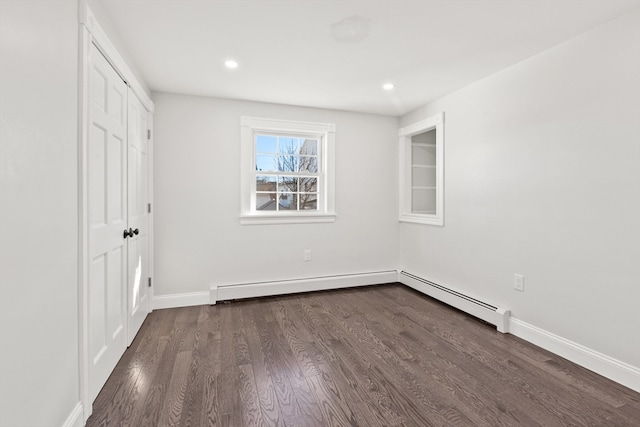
(149, 281)
(148, 207)
(148, 133)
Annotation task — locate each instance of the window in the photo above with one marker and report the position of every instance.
(422, 172)
(287, 171)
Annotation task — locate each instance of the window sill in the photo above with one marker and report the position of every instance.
(286, 219)
(422, 219)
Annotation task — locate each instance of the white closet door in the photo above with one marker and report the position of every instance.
(139, 293)
(107, 201)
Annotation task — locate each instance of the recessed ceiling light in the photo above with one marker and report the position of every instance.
(231, 64)
(388, 86)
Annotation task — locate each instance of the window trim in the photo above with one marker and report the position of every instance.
(405, 215)
(249, 126)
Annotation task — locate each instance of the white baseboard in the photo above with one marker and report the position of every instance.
(253, 290)
(75, 417)
(608, 367)
(180, 300)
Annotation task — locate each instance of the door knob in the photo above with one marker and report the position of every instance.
(130, 232)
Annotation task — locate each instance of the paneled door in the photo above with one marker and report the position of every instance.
(139, 294)
(107, 209)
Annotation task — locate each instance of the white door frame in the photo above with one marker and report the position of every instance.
(90, 32)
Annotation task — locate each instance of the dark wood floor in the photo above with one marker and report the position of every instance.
(375, 356)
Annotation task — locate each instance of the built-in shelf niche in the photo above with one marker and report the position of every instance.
(421, 169)
(423, 173)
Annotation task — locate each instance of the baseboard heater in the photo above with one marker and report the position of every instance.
(230, 291)
(497, 316)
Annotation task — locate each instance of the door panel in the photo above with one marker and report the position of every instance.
(139, 294)
(107, 204)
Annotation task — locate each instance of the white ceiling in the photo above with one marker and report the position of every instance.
(288, 53)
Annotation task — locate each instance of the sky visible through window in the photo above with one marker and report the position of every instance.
(286, 154)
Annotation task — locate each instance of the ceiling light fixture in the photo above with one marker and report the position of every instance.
(231, 64)
(388, 86)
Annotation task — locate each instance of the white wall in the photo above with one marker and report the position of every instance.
(38, 212)
(199, 240)
(542, 178)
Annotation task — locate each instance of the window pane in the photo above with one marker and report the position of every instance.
(308, 185)
(266, 163)
(309, 201)
(309, 147)
(288, 163)
(288, 184)
(266, 201)
(288, 145)
(266, 144)
(265, 183)
(288, 202)
(309, 164)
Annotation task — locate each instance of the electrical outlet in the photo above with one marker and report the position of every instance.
(307, 255)
(518, 282)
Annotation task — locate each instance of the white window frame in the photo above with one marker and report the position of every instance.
(325, 132)
(406, 215)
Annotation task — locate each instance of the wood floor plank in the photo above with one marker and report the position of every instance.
(192, 401)
(249, 396)
(210, 400)
(267, 398)
(298, 342)
(171, 411)
(375, 356)
(228, 392)
(159, 379)
(292, 390)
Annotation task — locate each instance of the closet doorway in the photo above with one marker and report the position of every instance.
(116, 161)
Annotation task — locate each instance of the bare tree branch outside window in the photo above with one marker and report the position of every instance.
(303, 160)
